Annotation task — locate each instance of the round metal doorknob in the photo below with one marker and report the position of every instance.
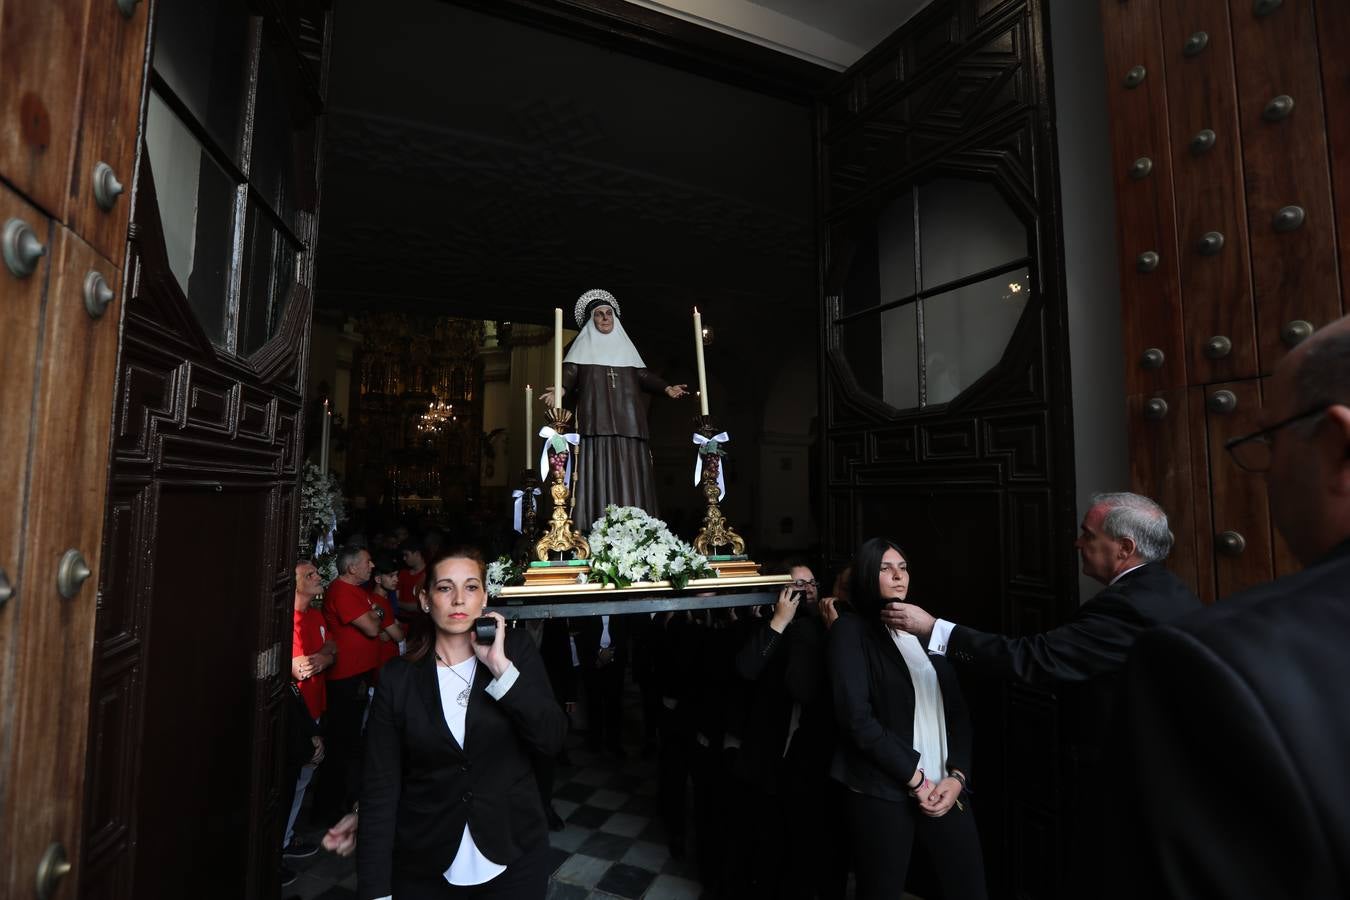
(127, 7)
(1203, 141)
(1195, 43)
(1218, 347)
(53, 866)
(1135, 76)
(71, 574)
(23, 251)
(1155, 409)
(1262, 8)
(97, 294)
(1296, 332)
(106, 186)
(1147, 261)
(1141, 168)
(1152, 358)
(1278, 109)
(1222, 402)
(1289, 218)
(1211, 243)
(1230, 543)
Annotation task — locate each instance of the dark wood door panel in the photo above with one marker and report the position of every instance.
(1333, 37)
(115, 55)
(1211, 212)
(54, 640)
(1288, 179)
(1150, 297)
(40, 64)
(1241, 512)
(1160, 467)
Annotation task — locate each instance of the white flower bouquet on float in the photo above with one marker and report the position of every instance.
(629, 546)
(503, 572)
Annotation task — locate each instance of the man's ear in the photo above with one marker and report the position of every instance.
(1128, 547)
(1338, 448)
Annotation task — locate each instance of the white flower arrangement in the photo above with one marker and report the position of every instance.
(502, 572)
(629, 546)
(321, 509)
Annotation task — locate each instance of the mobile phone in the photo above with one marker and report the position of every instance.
(485, 629)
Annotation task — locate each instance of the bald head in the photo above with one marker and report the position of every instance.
(1309, 476)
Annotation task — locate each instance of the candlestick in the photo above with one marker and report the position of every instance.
(529, 426)
(323, 442)
(557, 358)
(702, 373)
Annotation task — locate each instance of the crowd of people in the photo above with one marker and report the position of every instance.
(828, 734)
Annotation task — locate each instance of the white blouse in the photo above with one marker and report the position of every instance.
(930, 718)
(469, 866)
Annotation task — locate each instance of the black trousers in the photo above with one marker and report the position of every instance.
(604, 705)
(883, 833)
(339, 778)
(524, 879)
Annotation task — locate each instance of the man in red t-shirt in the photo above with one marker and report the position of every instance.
(410, 578)
(384, 593)
(312, 654)
(354, 621)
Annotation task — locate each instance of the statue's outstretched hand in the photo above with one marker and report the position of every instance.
(676, 391)
(547, 397)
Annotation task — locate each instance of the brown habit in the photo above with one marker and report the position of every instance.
(615, 464)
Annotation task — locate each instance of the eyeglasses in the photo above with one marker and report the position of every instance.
(1252, 452)
(802, 583)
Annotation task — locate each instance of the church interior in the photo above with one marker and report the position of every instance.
(959, 266)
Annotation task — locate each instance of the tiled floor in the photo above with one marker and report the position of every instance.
(612, 846)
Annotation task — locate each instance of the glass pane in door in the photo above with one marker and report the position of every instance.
(965, 227)
(967, 330)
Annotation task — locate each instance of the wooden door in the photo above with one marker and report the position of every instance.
(945, 385)
(71, 79)
(193, 626)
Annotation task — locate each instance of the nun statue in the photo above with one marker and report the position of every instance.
(607, 383)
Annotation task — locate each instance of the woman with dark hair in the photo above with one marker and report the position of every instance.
(450, 808)
(905, 741)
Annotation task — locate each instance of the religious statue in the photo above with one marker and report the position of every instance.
(605, 380)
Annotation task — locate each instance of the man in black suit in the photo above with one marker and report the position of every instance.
(1123, 541)
(602, 650)
(1236, 725)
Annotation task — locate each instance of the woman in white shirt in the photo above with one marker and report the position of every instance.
(905, 742)
(449, 807)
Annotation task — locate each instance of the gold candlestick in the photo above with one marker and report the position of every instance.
(561, 536)
(715, 532)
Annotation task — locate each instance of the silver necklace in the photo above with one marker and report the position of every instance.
(463, 697)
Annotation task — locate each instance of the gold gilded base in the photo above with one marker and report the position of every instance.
(555, 575)
(560, 536)
(739, 569)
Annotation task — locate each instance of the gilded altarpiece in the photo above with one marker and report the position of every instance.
(416, 414)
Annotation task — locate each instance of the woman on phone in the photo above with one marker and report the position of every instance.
(449, 807)
(905, 741)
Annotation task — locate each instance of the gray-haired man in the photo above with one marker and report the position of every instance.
(1123, 541)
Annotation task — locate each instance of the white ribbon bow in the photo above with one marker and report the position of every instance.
(519, 496)
(548, 434)
(719, 439)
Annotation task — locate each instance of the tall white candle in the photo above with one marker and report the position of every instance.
(529, 425)
(323, 442)
(702, 373)
(557, 358)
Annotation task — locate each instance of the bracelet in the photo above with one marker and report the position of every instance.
(956, 773)
(914, 787)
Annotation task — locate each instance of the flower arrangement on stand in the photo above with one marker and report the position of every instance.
(321, 509)
(503, 572)
(628, 546)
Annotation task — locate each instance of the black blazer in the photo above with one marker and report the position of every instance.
(1089, 650)
(589, 632)
(1237, 737)
(874, 706)
(421, 787)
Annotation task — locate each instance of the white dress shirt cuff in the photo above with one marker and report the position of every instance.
(942, 632)
(498, 687)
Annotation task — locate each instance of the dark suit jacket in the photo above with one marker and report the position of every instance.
(1089, 650)
(421, 786)
(874, 706)
(1237, 729)
(589, 632)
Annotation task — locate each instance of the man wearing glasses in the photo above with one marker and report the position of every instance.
(1237, 726)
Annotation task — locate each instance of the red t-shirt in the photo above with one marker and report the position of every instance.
(408, 582)
(343, 604)
(308, 637)
(388, 649)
